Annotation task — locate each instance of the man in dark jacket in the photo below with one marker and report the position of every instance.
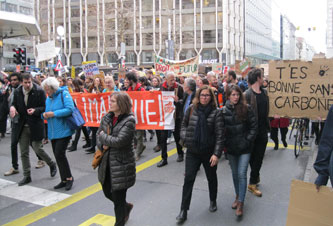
(15, 80)
(171, 85)
(28, 104)
(324, 161)
(257, 97)
(189, 94)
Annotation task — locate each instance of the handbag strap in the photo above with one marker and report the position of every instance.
(108, 133)
(62, 99)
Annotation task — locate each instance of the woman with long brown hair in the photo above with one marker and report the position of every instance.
(116, 172)
(240, 131)
(202, 134)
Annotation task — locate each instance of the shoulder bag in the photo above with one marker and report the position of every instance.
(99, 154)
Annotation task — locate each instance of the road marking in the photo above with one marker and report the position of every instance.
(290, 146)
(100, 219)
(37, 196)
(48, 210)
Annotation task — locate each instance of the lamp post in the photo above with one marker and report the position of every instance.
(61, 34)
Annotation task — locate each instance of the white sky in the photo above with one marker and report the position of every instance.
(307, 13)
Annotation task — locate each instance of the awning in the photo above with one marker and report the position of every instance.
(15, 25)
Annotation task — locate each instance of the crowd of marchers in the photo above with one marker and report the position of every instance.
(214, 115)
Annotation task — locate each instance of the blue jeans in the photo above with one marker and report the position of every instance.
(239, 165)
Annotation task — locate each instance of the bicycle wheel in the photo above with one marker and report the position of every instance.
(298, 143)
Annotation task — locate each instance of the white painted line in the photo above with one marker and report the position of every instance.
(26, 193)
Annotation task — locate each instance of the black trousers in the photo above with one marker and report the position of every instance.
(13, 147)
(176, 135)
(158, 136)
(93, 136)
(59, 147)
(78, 134)
(318, 131)
(118, 198)
(257, 156)
(274, 134)
(192, 165)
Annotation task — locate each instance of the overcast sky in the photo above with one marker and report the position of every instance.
(307, 14)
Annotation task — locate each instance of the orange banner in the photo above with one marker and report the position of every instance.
(152, 110)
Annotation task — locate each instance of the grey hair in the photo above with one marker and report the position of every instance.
(211, 73)
(51, 82)
(191, 84)
(169, 73)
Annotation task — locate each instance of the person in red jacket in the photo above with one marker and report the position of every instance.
(283, 124)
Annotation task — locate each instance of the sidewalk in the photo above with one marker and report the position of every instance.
(310, 174)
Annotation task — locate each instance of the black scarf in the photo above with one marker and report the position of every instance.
(202, 132)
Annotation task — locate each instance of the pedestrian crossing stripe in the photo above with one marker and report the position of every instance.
(37, 196)
(101, 220)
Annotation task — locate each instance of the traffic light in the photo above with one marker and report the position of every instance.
(20, 56)
(24, 56)
(17, 55)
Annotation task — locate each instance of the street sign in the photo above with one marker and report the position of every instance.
(58, 66)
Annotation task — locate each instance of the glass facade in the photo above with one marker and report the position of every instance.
(195, 27)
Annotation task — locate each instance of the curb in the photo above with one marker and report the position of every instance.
(310, 172)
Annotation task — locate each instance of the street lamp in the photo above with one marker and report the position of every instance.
(61, 34)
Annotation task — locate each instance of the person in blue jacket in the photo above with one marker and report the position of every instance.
(324, 161)
(59, 105)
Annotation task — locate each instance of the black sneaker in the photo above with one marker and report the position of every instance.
(24, 181)
(69, 184)
(62, 184)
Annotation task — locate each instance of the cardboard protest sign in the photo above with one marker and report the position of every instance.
(307, 207)
(217, 68)
(180, 68)
(300, 89)
(90, 68)
(242, 67)
(152, 110)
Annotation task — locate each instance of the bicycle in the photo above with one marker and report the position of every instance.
(300, 125)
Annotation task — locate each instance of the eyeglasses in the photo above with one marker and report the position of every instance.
(205, 95)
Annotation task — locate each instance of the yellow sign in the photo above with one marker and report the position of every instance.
(89, 62)
(73, 72)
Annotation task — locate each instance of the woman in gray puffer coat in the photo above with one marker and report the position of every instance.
(116, 171)
(202, 134)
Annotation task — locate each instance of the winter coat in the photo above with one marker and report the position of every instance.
(252, 101)
(178, 89)
(239, 135)
(279, 123)
(120, 156)
(36, 100)
(214, 121)
(62, 108)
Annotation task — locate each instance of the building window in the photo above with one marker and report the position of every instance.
(25, 10)
(209, 37)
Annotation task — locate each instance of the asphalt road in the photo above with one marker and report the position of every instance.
(156, 194)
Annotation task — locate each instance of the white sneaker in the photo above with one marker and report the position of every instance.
(40, 164)
(168, 140)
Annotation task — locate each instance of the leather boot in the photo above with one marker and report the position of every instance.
(254, 190)
(53, 169)
(182, 217)
(239, 210)
(234, 204)
(24, 181)
(212, 206)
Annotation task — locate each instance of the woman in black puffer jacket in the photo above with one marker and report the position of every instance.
(202, 134)
(240, 131)
(116, 171)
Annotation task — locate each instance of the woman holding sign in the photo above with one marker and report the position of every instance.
(202, 134)
(116, 171)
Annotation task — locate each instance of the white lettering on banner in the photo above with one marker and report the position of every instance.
(160, 108)
(85, 108)
(135, 110)
(103, 110)
(141, 110)
(149, 113)
(90, 108)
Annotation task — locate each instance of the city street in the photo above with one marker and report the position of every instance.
(156, 195)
